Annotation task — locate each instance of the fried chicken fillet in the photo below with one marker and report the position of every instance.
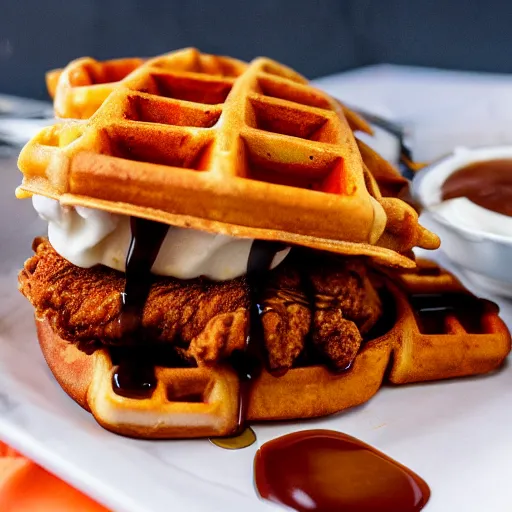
(328, 306)
(205, 320)
(329, 300)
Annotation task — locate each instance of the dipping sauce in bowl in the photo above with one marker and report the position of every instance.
(467, 200)
(487, 184)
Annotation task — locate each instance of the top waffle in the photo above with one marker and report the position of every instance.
(216, 144)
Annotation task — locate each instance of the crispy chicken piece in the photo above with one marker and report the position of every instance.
(205, 320)
(346, 306)
(341, 307)
(286, 316)
(330, 301)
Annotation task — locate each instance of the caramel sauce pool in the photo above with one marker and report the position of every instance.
(326, 471)
(487, 184)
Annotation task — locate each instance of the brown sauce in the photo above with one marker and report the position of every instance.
(487, 184)
(247, 363)
(147, 238)
(134, 376)
(326, 471)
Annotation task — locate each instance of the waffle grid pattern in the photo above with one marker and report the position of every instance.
(185, 404)
(213, 143)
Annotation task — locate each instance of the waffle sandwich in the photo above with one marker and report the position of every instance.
(223, 249)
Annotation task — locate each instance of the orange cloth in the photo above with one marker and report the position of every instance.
(26, 487)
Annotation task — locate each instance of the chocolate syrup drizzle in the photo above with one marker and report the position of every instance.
(247, 363)
(147, 238)
(134, 377)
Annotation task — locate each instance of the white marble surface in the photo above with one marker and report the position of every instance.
(455, 434)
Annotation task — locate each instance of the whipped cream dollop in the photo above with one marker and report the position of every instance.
(460, 211)
(88, 237)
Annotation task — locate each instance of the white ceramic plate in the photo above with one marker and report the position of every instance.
(456, 434)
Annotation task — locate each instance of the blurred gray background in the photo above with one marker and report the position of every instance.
(315, 37)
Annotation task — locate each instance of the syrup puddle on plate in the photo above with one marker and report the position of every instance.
(246, 438)
(326, 471)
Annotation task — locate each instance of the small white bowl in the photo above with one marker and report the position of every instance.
(479, 241)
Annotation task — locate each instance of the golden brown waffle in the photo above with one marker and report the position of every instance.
(215, 144)
(388, 187)
(428, 277)
(85, 83)
(416, 341)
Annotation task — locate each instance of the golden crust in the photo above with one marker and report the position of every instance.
(402, 352)
(286, 316)
(203, 141)
(206, 318)
(347, 306)
(390, 181)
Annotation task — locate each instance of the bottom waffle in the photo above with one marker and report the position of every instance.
(432, 328)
